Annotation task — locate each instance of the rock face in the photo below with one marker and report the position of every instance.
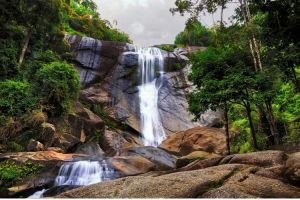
(293, 167)
(41, 156)
(161, 158)
(110, 74)
(210, 140)
(115, 142)
(253, 175)
(131, 165)
(92, 149)
(178, 185)
(82, 123)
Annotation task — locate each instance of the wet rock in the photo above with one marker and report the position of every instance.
(34, 145)
(161, 158)
(56, 190)
(131, 165)
(177, 185)
(129, 59)
(206, 139)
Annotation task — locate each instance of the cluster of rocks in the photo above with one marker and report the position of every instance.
(267, 174)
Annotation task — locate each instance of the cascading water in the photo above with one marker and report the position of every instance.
(151, 63)
(81, 173)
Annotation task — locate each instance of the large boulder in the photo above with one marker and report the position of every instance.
(263, 159)
(84, 122)
(249, 184)
(116, 142)
(131, 165)
(161, 158)
(77, 128)
(177, 185)
(40, 156)
(34, 145)
(48, 134)
(92, 149)
(206, 139)
(293, 167)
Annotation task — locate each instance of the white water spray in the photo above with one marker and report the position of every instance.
(81, 173)
(151, 62)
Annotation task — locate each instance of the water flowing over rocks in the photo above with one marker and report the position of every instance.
(109, 73)
(222, 177)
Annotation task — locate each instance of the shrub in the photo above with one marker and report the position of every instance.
(16, 98)
(58, 85)
(194, 34)
(8, 59)
(37, 62)
(11, 173)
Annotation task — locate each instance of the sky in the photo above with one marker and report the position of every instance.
(148, 22)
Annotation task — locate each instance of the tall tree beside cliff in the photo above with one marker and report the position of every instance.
(41, 19)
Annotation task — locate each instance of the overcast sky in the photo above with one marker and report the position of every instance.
(148, 22)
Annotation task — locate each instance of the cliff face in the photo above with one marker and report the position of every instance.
(110, 75)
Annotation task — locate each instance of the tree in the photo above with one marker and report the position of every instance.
(41, 19)
(194, 34)
(223, 79)
(58, 86)
(195, 7)
(16, 98)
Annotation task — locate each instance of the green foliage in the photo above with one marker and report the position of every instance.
(8, 59)
(167, 47)
(97, 137)
(194, 34)
(246, 148)
(11, 172)
(15, 147)
(81, 18)
(16, 98)
(32, 65)
(58, 85)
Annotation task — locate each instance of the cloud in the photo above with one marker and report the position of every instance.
(148, 22)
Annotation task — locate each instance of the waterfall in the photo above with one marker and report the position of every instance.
(81, 173)
(151, 65)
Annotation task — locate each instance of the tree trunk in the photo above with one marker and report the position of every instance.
(226, 123)
(222, 13)
(254, 47)
(264, 125)
(248, 109)
(25, 46)
(272, 122)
